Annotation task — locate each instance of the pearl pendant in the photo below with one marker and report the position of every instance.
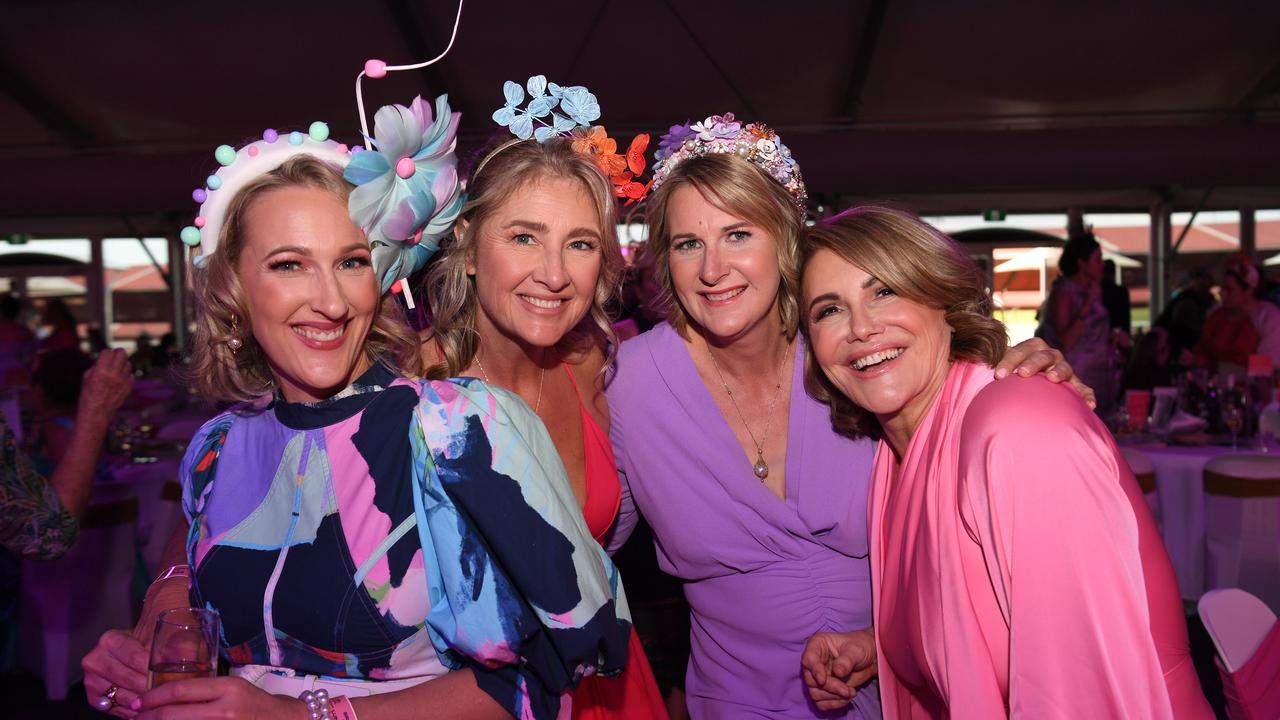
(761, 468)
(235, 344)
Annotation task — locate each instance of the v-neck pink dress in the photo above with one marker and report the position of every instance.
(634, 694)
(1016, 570)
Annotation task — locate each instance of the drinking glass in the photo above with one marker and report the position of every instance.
(185, 646)
(1233, 418)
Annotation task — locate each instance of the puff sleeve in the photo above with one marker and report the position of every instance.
(521, 593)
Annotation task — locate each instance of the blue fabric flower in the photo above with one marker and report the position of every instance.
(407, 194)
(580, 105)
(578, 108)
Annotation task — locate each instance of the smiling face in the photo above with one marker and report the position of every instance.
(536, 262)
(888, 354)
(309, 290)
(724, 269)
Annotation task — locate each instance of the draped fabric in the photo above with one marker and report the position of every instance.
(1253, 691)
(761, 574)
(1017, 570)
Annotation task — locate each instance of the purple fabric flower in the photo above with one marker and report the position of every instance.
(672, 141)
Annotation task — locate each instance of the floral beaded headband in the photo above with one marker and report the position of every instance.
(756, 143)
(556, 111)
(407, 192)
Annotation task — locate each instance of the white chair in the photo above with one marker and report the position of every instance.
(1244, 632)
(1242, 524)
(1142, 469)
(66, 604)
(159, 505)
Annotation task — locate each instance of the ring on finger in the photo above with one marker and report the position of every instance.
(108, 699)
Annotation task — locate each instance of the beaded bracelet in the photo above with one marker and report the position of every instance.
(322, 707)
(318, 704)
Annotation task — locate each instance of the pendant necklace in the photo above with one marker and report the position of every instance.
(541, 378)
(761, 468)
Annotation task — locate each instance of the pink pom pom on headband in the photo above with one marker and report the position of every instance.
(239, 167)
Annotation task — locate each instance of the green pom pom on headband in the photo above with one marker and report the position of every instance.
(239, 167)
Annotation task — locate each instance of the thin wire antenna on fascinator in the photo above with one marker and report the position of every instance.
(426, 203)
(407, 194)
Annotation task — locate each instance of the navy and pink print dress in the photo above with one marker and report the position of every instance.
(399, 530)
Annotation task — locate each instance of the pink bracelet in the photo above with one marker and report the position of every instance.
(342, 708)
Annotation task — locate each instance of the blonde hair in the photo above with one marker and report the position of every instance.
(739, 188)
(450, 290)
(222, 313)
(919, 263)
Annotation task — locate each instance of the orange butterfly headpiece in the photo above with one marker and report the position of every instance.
(556, 111)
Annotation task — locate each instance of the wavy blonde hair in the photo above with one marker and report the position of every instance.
(919, 263)
(451, 292)
(743, 190)
(222, 312)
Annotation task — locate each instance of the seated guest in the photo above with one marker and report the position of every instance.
(1015, 568)
(1242, 326)
(17, 342)
(62, 326)
(38, 513)
(57, 380)
(410, 547)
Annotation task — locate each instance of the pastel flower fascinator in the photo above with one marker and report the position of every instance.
(407, 194)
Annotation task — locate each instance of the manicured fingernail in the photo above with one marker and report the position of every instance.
(1001, 373)
(136, 704)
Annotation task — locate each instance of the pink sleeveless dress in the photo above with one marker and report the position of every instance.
(634, 693)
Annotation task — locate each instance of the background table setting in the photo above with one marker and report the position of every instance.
(1214, 456)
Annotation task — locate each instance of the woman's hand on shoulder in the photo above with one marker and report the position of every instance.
(221, 697)
(1033, 356)
(835, 665)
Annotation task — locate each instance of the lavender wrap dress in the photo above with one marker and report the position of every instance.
(761, 575)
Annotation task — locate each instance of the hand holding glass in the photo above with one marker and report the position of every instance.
(185, 646)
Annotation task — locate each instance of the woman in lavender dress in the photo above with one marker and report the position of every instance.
(755, 503)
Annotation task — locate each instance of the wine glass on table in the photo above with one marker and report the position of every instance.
(1233, 418)
(185, 646)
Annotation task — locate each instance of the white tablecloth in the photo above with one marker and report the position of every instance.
(1180, 491)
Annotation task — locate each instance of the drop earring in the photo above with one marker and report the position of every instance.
(234, 342)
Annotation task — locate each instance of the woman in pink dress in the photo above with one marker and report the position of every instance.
(1015, 568)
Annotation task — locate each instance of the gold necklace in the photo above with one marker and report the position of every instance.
(541, 379)
(761, 468)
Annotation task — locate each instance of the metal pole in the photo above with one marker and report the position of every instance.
(1161, 253)
(1249, 234)
(96, 289)
(1075, 221)
(178, 285)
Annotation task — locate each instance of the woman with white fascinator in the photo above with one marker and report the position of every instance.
(375, 544)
